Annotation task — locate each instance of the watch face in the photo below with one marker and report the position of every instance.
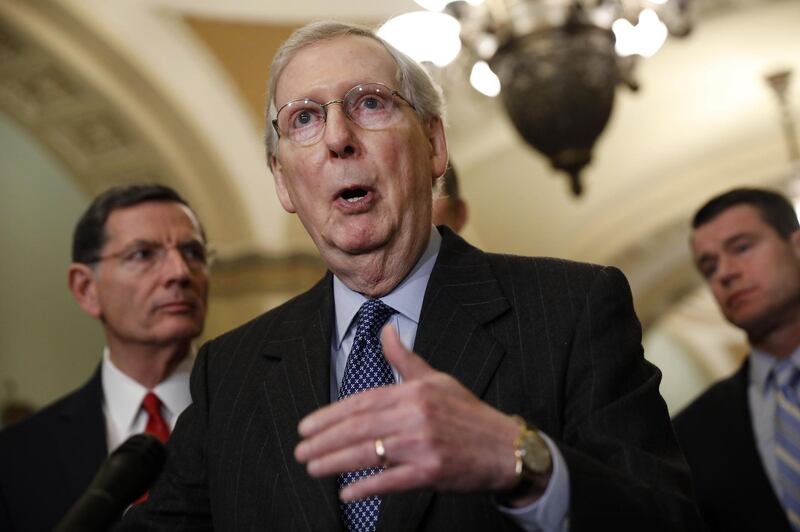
(536, 456)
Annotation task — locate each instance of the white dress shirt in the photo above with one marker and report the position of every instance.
(550, 512)
(122, 399)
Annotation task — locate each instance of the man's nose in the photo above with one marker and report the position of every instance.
(339, 133)
(727, 270)
(175, 266)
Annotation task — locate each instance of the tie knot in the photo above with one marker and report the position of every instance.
(152, 404)
(371, 317)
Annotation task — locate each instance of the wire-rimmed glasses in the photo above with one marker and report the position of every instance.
(369, 105)
(142, 257)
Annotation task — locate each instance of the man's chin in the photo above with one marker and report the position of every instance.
(180, 331)
(361, 243)
(755, 324)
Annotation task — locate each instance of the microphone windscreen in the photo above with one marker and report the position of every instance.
(124, 476)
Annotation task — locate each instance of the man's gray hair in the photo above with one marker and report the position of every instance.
(414, 83)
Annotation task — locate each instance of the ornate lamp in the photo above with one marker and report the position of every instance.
(559, 62)
(558, 90)
(779, 83)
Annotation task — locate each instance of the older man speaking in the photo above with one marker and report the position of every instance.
(525, 401)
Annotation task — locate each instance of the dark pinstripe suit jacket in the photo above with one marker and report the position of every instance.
(48, 460)
(716, 434)
(552, 340)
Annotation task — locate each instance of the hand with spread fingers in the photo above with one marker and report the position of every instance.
(427, 432)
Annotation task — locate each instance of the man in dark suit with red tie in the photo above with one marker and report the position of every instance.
(504, 393)
(140, 266)
(742, 436)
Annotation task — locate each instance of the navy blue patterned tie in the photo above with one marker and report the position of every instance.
(787, 439)
(366, 368)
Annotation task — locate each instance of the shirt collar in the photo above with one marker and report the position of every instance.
(762, 368)
(406, 298)
(123, 395)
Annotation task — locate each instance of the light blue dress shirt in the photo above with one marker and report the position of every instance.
(550, 512)
(762, 393)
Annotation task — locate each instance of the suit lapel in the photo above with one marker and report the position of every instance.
(300, 349)
(461, 298)
(83, 447)
(743, 449)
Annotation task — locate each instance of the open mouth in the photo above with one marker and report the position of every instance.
(354, 194)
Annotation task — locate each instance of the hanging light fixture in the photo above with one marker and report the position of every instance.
(779, 82)
(555, 63)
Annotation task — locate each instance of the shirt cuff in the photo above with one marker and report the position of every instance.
(550, 513)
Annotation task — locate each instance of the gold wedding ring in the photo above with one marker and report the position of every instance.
(380, 452)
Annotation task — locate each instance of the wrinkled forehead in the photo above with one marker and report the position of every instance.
(333, 66)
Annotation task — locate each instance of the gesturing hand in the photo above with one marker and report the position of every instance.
(436, 434)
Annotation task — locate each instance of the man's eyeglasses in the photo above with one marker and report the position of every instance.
(370, 105)
(143, 257)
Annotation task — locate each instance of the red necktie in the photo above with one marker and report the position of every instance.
(156, 425)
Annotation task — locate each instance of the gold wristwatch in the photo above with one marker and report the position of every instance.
(532, 454)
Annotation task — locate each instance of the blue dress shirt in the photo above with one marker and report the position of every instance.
(550, 512)
(762, 396)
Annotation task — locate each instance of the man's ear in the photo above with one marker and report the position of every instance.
(438, 142)
(280, 184)
(82, 282)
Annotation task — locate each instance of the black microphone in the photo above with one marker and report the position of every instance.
(125, 475)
